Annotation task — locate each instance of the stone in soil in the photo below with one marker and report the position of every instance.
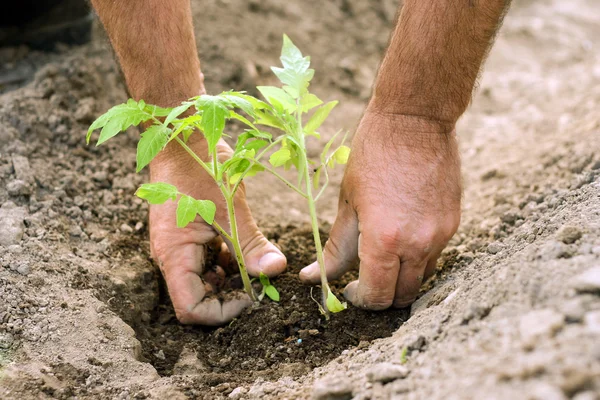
(386, 372)
(569, 234)
(540, 323)
(588, 281)
(12, 223)
(331, 388)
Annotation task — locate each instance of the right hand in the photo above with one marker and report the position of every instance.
(399, 205)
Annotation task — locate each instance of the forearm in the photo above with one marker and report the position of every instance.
(434, 57)
(155, 44)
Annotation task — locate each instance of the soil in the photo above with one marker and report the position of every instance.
(513, 312)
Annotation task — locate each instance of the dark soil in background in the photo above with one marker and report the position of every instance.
(269, 340)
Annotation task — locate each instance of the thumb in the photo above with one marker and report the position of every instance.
(341, 250)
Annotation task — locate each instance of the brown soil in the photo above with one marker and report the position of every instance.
(269, 340)
(83, 310)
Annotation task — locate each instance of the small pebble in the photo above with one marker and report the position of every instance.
(386, 372)
(568, 234)
(332, 389)
(588, 281)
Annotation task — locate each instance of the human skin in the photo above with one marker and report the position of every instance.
(154, 42)
(400, 196)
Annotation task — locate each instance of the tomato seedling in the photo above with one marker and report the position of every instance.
(284, 110)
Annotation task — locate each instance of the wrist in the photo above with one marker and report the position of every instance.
(411, 119)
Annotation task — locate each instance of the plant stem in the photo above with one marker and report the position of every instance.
(317, 237)
(235, 240)
(313, 212)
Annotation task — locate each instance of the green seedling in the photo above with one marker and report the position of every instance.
(289, 104)
(165, 125)
(404, 355)
(283, 111)
(267, 288)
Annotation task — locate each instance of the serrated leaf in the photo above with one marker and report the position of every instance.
(152, 141)
(309, 101)
(239, 102)
(157, 193)
(176, 112)
(256, 103)
(188, 208)
(189, 122)
(278, 97)
(214, 113)
(255, 144)
(207, 210)
(295, 72)
(333, 304)
(118, 119)
(319, 117)
(268, 119)
(157, 111)
(241, 118)
(280, 157)
(272, 293)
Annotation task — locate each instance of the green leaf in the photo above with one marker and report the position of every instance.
(241, 118)
(333, 304)
(319, 117)
(280, 157)
(317, 178)
(256, 103)
(295, 72)
(327, 146)
(207, 210)
(188, 208)
(239, 102)
(272, 292)
(118, 119)
(309, 101)
(278, 97)
(152, 141)
(157, 193)
(340, 155)
(214, 113)
(157, 111)
(176, 112)
(255, 144)
(187, 123)
(264, 279)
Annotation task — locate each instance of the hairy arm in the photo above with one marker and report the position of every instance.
(400, 197)
(434, 57)
(155, 44)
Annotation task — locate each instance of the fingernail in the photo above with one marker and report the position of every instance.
(350, 292)
(307, 272)
(268, 261)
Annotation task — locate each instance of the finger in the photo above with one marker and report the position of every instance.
(410, 279)
(188, 291)
(432, 265)
(378, 274)
(260, 254)
(341, 250)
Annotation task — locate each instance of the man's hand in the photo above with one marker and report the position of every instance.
(400, 197)
(180, 252)
(399, 205)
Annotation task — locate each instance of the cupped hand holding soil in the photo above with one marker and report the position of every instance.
(181, 252)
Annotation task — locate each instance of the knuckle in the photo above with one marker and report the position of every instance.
(375, 301)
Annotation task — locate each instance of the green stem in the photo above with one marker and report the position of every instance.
(195, 157)
(317, 237)
(235, 240)
(313, 214)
